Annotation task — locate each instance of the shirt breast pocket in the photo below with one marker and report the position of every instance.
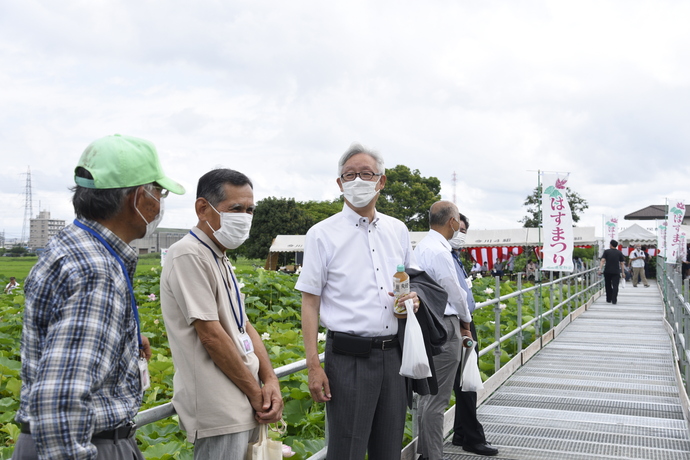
(392, 265)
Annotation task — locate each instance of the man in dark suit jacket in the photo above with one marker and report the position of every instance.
(469, 433)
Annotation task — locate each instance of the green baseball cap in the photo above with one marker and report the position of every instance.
(119, 161)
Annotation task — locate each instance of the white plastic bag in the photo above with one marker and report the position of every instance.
(471, 379)
(622, 283)
(265, 448)
(415, 363)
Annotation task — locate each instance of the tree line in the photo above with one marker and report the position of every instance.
(407, 196)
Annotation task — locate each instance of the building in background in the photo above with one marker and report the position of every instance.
(161, 238)
(42, 229)
(653, 212)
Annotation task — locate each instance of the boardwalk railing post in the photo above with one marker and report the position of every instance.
(519, 313)
(570, 302)
(497, 326)
(537, 304)
(560, 297)
(683, 307)
(551, 304)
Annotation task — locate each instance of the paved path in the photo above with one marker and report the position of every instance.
(603, 389)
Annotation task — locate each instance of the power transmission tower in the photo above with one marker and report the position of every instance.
(28, 208)
(455, 183)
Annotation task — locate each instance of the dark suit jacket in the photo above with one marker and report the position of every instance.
(433, 299)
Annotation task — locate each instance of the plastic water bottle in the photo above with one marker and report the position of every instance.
(401, 287)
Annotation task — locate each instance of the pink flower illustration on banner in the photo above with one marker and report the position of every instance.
(560, 183)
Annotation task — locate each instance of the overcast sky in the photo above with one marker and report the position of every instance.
(493, 90)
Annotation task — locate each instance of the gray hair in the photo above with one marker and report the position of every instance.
(358, 148)
(441, 212)
(100, 204)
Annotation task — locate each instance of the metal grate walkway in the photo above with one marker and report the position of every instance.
(605, 388)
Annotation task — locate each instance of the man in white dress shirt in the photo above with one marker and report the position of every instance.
(434, 256)
(346, 283)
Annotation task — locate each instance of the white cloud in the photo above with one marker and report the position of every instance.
(491, 90)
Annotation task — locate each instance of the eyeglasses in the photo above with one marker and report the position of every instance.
(365, 175)
(164, 192)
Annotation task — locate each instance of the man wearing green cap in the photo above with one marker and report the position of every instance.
(83, 357)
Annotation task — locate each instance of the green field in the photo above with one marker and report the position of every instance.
(19, 267)
(15, 266)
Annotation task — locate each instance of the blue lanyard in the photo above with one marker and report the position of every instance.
(457, 259)
(124, 272)
(240, 321)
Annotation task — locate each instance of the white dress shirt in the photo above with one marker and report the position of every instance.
(350, 262)
(434, 257)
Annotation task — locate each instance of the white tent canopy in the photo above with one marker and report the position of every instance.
(288, 243)
(636, 235)
(510, 237)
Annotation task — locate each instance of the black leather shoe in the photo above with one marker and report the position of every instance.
(481, 449)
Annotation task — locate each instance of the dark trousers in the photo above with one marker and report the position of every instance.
(611, 281)
(467, 429)
(367, 409)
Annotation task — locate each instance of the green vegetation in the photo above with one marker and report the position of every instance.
(408, 196)
(273, 217)
(18, 267)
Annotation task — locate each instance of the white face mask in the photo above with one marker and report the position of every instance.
(234, 228)
(458, 240)
(153, 225)
(359, 193)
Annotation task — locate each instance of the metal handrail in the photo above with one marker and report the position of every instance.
(676, 294)
(588, 286)
(166, 410)
(588, 276)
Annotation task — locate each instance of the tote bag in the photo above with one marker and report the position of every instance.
(265, 448)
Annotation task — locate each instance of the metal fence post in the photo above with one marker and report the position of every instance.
(560, 297)
(551, 317)
(497, 326)
(537, 304)
(686, 334)
(519, 313)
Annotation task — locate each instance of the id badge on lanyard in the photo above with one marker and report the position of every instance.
(144, 374)
(247, 345)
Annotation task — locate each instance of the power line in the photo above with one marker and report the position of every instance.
(28, 208)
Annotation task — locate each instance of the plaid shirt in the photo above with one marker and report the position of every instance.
(79, 344)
